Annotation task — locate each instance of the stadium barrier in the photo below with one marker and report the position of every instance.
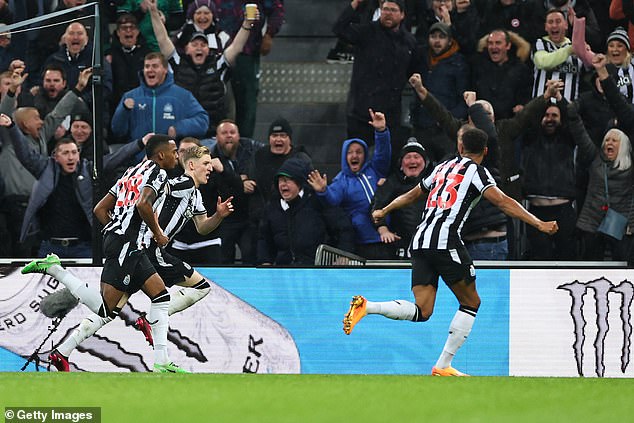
(532, 322)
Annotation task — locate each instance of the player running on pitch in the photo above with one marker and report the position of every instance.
(127, 268)
(454, 188)
(183, 203)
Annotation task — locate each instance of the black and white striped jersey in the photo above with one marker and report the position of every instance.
(127, 190)
(455, 187)
(183, 202)
(569, 71)
(625, 81)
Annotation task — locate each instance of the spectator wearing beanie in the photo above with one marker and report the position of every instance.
(618, 54)
(413, 166)
(295, 222)
(261, 175)
(619, 13)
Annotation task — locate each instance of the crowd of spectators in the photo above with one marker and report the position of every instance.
(551, 82)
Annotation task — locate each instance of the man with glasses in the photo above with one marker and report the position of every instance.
(385, 56)
(126, 56)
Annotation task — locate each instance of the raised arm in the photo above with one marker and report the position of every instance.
(31, 159)
(162, 37)
(205, 225)
(235, 48)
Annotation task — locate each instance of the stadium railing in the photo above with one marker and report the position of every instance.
(331, 256)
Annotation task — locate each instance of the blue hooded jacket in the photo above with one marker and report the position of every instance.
(354, 191)
(156, 109)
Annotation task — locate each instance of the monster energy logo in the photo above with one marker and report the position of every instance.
(600, 288)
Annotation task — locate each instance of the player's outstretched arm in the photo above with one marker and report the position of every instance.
(401, 201)
(512, 208)
(205, 224)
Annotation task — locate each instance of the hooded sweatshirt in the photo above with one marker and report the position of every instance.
(354, 192)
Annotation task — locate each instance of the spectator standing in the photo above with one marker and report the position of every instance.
(171, 12)
(74, 55)
(554, 59)
(48, 37)
(158, 105)
(8, 51)
(414, 165)
(579, 9)
(618, 54)
(295, 222)
(384, 57)
(60, 205)
(202, 17)
(501, 77)
(354, 186)
(53, 88)
(549, 183)
(245, 79)
(236, 154)
(459, 15)
(623, 10)
(611, 169)
(200, 72)
(446, 75)
(260, 180)
(126, 56)
(19, 181)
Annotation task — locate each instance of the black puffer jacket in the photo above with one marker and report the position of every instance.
(383, 62)
(292, 236)
(548, 166)
(205, 83)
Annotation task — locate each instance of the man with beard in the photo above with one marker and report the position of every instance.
(549, 184)
(51, 91)
(445, 72)
(236, 152)
(384, 57)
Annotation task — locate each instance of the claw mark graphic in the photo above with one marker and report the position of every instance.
(577, 290)
(600, 288)
(626, 289)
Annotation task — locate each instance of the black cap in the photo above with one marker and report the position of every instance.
(281, 125)
(84, 117)
(442, 27)
(201, 35)
(296, 169)
(127, 18)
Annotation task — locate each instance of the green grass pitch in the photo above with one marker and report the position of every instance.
(136, 397)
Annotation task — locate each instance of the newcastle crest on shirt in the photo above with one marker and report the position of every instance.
(168, 112)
